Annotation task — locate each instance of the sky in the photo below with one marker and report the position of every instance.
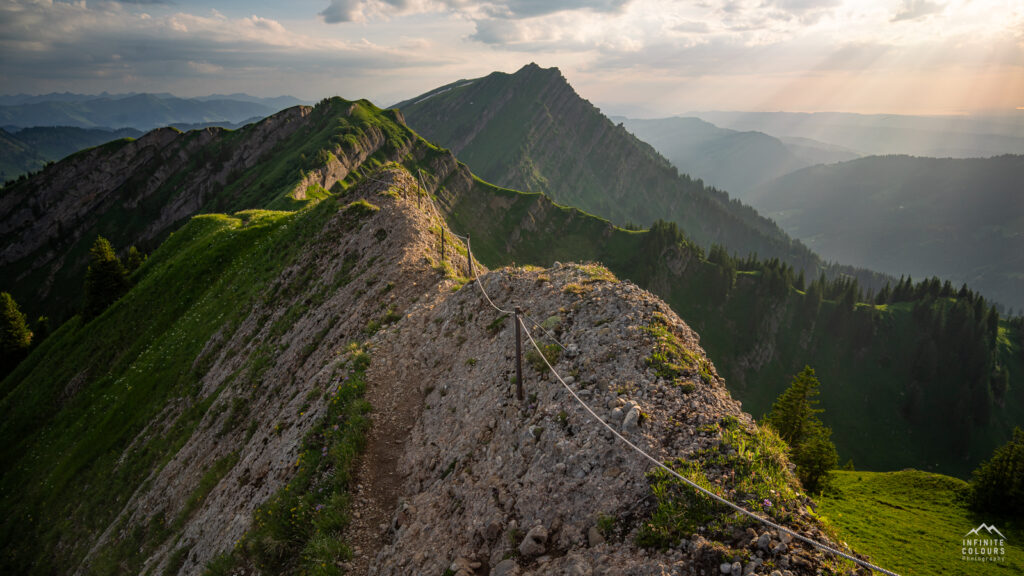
(636, 57)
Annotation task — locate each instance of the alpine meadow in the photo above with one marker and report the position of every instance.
(350, 287)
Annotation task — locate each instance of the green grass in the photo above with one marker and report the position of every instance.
(913, 522)
(79, 400)
(299, 529)
(757, 476)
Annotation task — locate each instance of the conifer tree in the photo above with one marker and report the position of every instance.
(998, 484)
(133, 260)
(795, 417)
(15, 336)
(105, 279)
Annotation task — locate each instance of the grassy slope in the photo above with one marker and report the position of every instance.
(139, 355)
(912, 522)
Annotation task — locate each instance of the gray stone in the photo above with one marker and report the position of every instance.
(533, 544)
(725, 568)
(506, 567)
(594, 537)
(737, 569)
(463, 566)
(631, 422)
(580, 568)
(765, 542)
(779, 548)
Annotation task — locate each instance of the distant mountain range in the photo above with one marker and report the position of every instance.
(737, 162)
(16, 99)
(960, 219)
(140, 111)
(875, 134)
(40, 128)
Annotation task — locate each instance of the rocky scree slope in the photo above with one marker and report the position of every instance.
(499, 487)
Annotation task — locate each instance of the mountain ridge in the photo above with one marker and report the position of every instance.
(209, 410)
(760, 320)
(534, 110)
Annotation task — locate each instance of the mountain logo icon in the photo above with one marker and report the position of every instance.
(986, 528)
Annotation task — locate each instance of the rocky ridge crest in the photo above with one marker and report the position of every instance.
(496, 486)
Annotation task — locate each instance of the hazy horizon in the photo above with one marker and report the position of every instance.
(650, 58)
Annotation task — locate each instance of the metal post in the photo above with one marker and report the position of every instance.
(442, 245)
(469, 257)
(419, 179)
(519, 358)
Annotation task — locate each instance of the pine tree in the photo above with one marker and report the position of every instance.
(795, 417)
(998, 484)
(15, 337)
(105, 279)
(134, 260)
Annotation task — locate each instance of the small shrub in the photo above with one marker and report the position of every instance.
(605, 524)
(495, 326)
(562, 419)
(574, 288)
(551, 353)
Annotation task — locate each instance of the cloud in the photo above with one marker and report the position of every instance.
(517, 9)
(915, 9)
(692, 27)
(340, 11)
(344, 11)
(83, 47)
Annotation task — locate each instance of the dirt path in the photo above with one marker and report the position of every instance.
(396, 404)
